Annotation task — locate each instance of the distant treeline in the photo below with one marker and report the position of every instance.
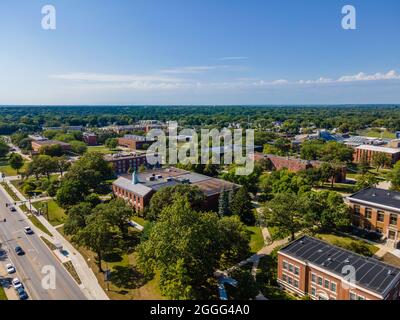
(347, 117)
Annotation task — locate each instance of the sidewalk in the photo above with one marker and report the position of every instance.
(90, 286)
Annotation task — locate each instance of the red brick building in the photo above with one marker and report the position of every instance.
(123, 162)
(133, 142)
(309, 266)
(89, 138)
(295, 164)
(377, 210)
(37, 144)
(367, 152)
(138, 188)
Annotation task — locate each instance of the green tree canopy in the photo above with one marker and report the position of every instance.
(187, 246)
(242, 207)
(16, 161)
(167, 195)
(285, 212)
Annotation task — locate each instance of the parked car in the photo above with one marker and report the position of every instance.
(28, 230)
(13, 209)
(19, 251)
(22, 293)
(17, 284)
(10, 268)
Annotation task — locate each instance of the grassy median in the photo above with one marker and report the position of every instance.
(2, 294)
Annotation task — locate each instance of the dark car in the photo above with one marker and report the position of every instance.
(28, 230)
(19, 251)
(22, 293)
(13, 209)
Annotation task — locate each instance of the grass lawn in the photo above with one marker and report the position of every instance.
(126, 282)
(375, 133)
(140, 220)
(256, 238)
(346, 242)
(71, 269)
(7, 170)
(56, 215)
(10, 191)
(380, 175)
(273, 232)
(102, 149)
(24, 208)
(39, 225)
(2, 294)
(339, 187)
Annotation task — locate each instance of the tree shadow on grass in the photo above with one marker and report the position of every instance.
(113, 257)
(127, 277)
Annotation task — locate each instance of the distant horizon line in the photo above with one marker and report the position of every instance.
(200, 105)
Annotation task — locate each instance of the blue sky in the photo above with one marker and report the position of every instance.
(199, 52)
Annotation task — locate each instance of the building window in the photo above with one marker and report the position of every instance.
(356, 209)
(290, 280)
(313, 291)
(284, 277)
(313, 278)
(285, 265)
(381, 216)
(379, 230)
(353, 296)
(290, 267)
(333, 287)
(296, 270)
(326, 282)
(296, 283)
(320, 281)
(368, 213)
(393, 219)
(360, 298)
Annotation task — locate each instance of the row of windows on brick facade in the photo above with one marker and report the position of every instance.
(291, 268)
(380, 216)
(288, 279)
(325, 283)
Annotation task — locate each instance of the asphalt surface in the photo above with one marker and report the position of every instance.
(37, 255)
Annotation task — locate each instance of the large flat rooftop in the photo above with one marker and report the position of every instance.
(379, 197)
(378, 149)
(157, 178)
(370, 274)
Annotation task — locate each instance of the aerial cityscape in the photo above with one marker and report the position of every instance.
(212, 151)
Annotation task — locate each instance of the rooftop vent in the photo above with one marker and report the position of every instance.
(390, 272)
(347, 260)
(320, 250)
(374, 194)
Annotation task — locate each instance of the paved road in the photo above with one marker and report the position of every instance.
(37, 255)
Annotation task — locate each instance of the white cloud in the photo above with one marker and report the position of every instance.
(189, 70)
(390, 75)
(232, 58)
(100, 81)
(102, 77)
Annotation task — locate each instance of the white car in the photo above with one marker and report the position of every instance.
(28, 230)
(10, 268)
(16, 283)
